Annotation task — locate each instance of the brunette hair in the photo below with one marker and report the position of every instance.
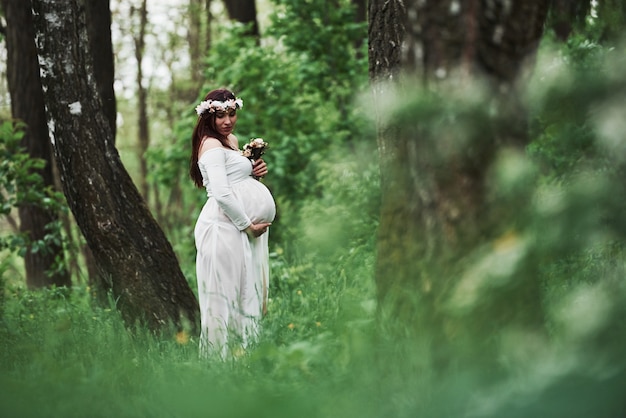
(205, 127)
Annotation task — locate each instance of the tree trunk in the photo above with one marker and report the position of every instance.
(243, 11)
(27, 104)
(130, 249)
(208, 38)
(197, 51)
(98, 17)
(360, 16)
(142, 96)
(437, 216)
(567, 15)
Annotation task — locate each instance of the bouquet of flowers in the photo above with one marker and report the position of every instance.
(255, 148)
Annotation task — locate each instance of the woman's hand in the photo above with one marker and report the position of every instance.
(256, 230)
(259, 169)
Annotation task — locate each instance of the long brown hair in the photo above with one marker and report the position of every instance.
(205, 127)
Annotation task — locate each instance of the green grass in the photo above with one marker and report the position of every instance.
(322, 354)
(61, 356)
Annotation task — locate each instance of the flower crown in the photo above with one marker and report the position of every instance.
(212, 106)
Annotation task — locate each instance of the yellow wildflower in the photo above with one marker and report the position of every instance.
(182, 337)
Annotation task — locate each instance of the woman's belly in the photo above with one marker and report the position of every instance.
(257, 200)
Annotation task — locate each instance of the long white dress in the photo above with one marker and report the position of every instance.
(232, 269)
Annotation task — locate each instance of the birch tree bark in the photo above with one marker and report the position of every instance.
(129, 248)
(27, 104)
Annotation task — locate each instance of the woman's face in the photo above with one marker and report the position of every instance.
(225, 122)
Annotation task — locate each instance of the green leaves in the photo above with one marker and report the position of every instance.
(21, 184)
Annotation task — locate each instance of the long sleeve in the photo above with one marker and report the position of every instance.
(213, 162)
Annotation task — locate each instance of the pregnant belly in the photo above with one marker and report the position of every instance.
(257, 201)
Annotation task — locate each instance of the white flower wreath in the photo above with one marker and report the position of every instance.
(212, 106)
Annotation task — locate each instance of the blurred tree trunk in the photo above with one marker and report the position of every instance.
(243, 11)
(197, 49)
(209, 19)
(436, 210)
(360, 16)
(27, 104)
(130, 249)
(142, 94)
(360, 7)
(566, 15)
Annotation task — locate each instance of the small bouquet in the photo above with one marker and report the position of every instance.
(254, 149)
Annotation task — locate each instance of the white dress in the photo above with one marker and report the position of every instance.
(232, 269)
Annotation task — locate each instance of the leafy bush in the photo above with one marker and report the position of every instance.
(21, 184)
(298, 96)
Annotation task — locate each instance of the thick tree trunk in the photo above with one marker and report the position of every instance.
(437, 213)
(130, 249)
(98, 18)
(27, 104)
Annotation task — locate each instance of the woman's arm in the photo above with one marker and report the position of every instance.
(214, 162)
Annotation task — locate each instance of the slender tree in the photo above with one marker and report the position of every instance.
(139, 39)
(27, 104)
(130, 249)
(199, 19)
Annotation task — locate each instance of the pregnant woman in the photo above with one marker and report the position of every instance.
(232, 264)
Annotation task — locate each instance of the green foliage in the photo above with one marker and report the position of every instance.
(21, 184)
(569, 95)
(300, 100)
(325, 350)
(611, 20)
(80, 360)
(331, 54)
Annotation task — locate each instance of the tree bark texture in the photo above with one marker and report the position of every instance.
(385, 36)
(437, 212)
(27, 104)
(130, 249)
(98, 17)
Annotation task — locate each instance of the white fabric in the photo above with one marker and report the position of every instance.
(232, 269)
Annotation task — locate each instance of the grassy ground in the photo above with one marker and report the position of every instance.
(321, 355)
(60, 356)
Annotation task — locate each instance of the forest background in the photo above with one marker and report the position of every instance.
(330, 346)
